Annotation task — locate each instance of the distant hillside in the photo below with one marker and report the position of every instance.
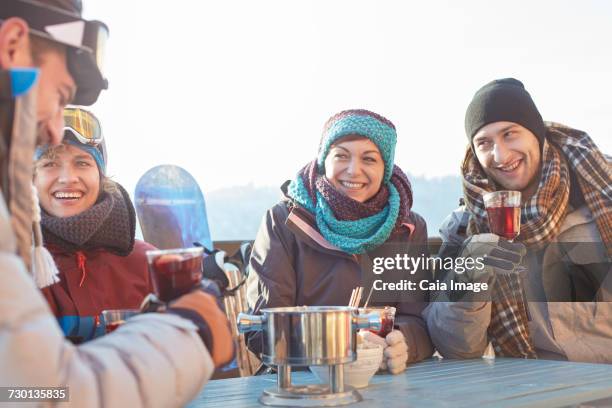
(234, 213)
(435, 198)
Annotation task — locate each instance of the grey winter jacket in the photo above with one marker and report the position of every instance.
(292, 264)
(575, 331)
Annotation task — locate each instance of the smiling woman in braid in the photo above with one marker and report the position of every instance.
(348, 206)
(88, 225)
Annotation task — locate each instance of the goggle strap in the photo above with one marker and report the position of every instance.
(84, 140)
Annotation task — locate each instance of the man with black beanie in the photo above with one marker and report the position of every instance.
(49, 57)
(552, 285)
(503, 100)
(506, 132)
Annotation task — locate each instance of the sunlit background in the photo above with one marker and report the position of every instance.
(236, 92)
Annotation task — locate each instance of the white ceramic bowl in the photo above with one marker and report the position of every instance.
(359, 372)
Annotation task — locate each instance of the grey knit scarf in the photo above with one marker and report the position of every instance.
(110, 224)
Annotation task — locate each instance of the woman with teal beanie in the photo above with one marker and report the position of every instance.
(348, 207)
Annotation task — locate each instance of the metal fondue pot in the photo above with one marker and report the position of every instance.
(309, 335)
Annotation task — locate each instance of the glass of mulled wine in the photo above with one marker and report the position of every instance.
(116, 317)
(387, 319)
(175, 272)
(504, 211)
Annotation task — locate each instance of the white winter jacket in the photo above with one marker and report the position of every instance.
(153, 360)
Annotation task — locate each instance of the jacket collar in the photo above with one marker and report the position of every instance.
(301, 221)
(581, 216)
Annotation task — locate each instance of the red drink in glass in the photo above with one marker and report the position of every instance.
(116, 317)
(386, 327)
(111, 327)
(387, 319)
(505, 221)
(175, 272)
(504, 211)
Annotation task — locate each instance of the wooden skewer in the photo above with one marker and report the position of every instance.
(352, 299)
(358, 297)
(369, 296)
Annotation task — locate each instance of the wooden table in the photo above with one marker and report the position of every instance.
(450, 383)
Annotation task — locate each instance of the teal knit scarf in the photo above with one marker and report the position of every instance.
(335, 212)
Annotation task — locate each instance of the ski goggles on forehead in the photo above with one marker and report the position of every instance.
(85, 41)
(83, 125)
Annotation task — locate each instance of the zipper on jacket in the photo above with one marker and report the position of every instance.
(81, 258)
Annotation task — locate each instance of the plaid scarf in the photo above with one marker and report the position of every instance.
(541, 218)
(509, 327)
(353, 226)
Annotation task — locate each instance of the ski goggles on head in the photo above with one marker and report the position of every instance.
(85, 41)
(82, 129)
(83, 125)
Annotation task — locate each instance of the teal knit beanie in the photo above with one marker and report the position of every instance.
(364, 123)
(97, 152)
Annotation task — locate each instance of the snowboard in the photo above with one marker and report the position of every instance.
(172, 214)
(171, 208)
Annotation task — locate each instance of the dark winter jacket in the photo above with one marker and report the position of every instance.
(93, 281)
(109, 271)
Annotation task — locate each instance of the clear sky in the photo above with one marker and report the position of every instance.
(238, 91)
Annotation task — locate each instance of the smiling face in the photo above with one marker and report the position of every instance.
(68, 181)
(510, 155)
(355, 167)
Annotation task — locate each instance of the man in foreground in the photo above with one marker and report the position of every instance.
(49, 57)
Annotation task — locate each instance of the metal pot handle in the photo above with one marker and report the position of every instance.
(369, 321)
(249, 323)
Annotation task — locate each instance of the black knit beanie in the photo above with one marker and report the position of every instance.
(503, 100)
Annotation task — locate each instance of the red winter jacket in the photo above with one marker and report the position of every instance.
(92, 281)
